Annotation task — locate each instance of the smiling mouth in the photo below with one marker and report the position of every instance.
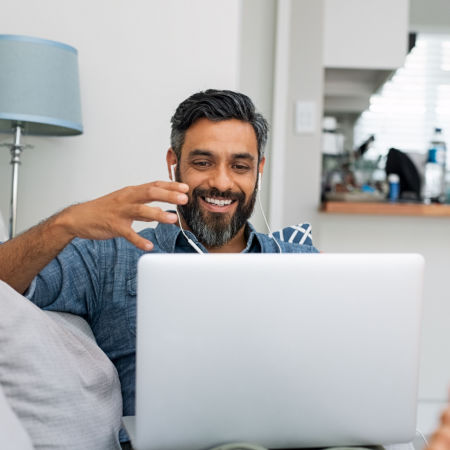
(218, 203)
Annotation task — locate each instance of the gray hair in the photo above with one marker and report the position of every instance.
(216, 105)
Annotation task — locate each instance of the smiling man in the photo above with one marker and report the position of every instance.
(219, 163)
(83, 260)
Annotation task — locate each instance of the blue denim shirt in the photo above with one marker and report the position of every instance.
(97, 280)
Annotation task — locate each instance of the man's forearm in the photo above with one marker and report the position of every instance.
(110, 216)
(23, 257)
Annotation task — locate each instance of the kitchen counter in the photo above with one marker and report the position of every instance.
(386, 208)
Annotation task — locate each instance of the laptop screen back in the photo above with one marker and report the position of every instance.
(285, 351)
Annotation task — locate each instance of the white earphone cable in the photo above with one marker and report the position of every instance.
(422, 436)
(264, 216)
(190, 241)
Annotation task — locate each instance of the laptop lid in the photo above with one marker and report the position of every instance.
(285, 351)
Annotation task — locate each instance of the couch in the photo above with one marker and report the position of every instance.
(58, 390)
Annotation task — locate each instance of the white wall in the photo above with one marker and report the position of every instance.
(429, 15)
(427, 236)
(138, 59)
(360, 43)
(299, 178)
(256, 75)
(298, 75)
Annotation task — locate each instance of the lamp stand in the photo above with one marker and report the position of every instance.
(16, 150)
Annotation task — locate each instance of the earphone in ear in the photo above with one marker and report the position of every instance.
(172, 171)
(258, 188)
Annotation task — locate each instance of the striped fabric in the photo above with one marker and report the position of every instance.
(295, 234)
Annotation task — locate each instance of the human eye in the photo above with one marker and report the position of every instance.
(201, 163)
(241, 167)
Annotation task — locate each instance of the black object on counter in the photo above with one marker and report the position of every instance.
(400, 163)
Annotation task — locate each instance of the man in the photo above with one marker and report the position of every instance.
(83, 260)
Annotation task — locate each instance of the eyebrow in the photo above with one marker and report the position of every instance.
(200, 152)
(244, 155)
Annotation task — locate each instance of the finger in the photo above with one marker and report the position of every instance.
(172, 185)
(445, 418)
(152, 213)
(141, 193)
(138, 241)
(160, 194)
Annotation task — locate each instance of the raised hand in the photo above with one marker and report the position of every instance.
(112, 215)
(23, 257)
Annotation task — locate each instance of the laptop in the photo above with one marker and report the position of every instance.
(284, 351)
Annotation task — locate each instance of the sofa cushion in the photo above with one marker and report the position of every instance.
(12, 433)
(63, 388)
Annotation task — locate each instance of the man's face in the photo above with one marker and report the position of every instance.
(219, 162)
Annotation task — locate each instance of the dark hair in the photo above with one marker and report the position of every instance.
(216, 105)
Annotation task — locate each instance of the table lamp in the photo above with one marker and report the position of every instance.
(39, 95)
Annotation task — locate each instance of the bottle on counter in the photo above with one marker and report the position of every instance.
(394, 187)
(434, 173)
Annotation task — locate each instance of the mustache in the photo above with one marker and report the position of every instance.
(214, 192)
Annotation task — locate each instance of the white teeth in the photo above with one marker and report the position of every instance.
(213, 201)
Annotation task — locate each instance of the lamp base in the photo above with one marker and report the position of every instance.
(15, 150)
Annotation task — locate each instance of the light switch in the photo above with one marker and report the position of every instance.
(305, 117)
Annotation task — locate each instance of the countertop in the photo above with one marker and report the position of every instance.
(386, 208)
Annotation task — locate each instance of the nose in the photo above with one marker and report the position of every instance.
(221, 179)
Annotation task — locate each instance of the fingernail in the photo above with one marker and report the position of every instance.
(148, 246)
(182, 198)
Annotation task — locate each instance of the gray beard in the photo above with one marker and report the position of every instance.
(214, 229)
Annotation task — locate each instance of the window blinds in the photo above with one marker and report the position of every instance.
(407, 108)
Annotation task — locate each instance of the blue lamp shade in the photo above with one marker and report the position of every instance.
(39, 86)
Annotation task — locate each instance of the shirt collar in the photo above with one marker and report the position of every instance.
(168, 234)
(254, 243)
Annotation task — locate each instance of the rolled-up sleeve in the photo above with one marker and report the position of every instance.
(70, 282)
(30, 291)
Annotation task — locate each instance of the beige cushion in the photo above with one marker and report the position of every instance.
(62, 387)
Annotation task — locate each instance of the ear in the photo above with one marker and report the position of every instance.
(171, 158)
(261, 165)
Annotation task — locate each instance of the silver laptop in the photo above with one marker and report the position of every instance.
(285, 351)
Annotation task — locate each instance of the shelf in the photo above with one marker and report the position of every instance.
(387, 209)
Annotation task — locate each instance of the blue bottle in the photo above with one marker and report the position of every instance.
(394, 187)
